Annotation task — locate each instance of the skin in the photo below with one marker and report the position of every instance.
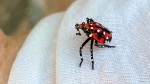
(9, 47)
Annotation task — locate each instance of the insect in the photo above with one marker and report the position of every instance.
(95, 32)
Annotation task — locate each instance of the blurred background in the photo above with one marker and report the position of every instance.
(17, 18)
(20, 15)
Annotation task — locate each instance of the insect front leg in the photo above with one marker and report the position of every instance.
(78, 33)
(81, 47)
(76, 26)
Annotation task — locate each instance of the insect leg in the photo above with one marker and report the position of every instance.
(81, 50)
(108, 46)
(96, 44)
(91, 49)
(78, 32)
(105, 46)
(76, 26)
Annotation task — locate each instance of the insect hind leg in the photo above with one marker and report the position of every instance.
(104, 46)
(91, 49)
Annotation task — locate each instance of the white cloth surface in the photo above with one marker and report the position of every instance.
(50, 54)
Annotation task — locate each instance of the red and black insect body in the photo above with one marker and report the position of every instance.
(95, 32)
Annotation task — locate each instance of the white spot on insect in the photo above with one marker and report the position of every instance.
(91, 27)
(80, 56)
(98, 30)
(104, 33)
(107, 38)
(90, 35)
(91, 24)
(97, 24)
(92, 59)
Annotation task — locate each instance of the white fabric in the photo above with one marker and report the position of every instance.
(50, 54)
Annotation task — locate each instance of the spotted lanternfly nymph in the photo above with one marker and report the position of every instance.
(95, 32)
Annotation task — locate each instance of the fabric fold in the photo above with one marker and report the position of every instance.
(35, 62)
